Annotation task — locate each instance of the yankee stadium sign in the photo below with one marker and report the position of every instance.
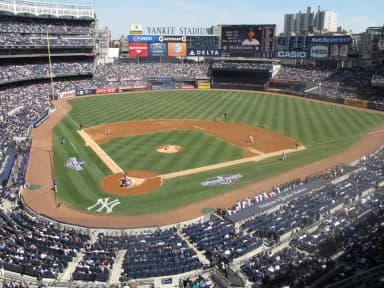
(174, 30)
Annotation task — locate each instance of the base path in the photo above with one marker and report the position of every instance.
(42, 200)
(100, 153)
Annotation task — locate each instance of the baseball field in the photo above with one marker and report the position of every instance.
(184, 139)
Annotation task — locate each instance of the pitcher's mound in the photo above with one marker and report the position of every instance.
(142, 182)
(168, 148)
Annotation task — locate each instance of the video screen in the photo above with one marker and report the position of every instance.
(247, 40)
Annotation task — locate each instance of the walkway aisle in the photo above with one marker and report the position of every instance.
(117, 267)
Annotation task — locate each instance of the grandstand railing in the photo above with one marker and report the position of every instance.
(38, 8)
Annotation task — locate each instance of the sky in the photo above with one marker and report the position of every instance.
(117, 15)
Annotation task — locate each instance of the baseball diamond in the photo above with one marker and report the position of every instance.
(168, 185)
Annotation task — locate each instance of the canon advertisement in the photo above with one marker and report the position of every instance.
(247, 40)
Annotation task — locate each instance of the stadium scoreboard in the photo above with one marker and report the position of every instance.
(236, 40)
(293, 43)
(203, 42)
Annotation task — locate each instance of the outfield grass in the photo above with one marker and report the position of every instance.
(323, 132)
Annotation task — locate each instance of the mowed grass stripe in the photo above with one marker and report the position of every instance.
(325, 117)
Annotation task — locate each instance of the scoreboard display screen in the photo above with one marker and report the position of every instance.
(293, 43)
(203, 42)
(247, 40)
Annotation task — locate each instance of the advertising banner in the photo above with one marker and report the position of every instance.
(291, 54)
(204, 52)
(138, 49)
(143, 38)
(66, 94)
(203, 84)
(85, 91)
(355, 102)
(163, 38)
(330, 39)
(158, 49)
(136, 29)
(319, 52)
(187, 87)
(178, 49)
(338, 51)
(247, 40)
(106, 90)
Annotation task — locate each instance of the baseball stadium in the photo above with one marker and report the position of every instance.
(186, 159)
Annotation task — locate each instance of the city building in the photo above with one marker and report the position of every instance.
(321, 21)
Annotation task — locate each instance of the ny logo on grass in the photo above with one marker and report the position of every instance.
(105, 204)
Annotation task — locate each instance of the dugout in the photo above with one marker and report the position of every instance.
(241, 73)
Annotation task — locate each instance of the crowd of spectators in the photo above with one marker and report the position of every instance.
(17, 24)
(220, 239)
(198, 282)
(157, 253)
(97, 261)
(12, 73)
(304, 73)
(279, 190)
(33, 247)
(27, 31)
(354, 230)
(353, 83)
(241, 65)
(123, 70)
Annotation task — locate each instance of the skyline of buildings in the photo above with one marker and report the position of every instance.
(321, 21)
